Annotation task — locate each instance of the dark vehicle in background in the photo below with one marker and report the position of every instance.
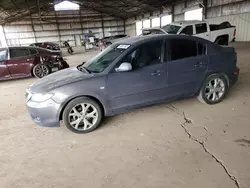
(106, 41)
(47, 45)
(133, 73)
(17, 62)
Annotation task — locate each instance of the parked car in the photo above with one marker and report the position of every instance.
(48, 45)
(133, 73)
(17, 62)
(106, 41)
(220, 34)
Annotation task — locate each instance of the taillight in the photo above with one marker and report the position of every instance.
(234, 32)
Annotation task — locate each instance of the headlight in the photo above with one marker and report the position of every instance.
(41, 97)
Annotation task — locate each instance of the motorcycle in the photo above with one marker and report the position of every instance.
(69, 48)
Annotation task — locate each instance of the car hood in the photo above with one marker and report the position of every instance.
(58, 79)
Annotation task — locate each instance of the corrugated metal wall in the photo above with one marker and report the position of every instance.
(61, 26)
(237, 12)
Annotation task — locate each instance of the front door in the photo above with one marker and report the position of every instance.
(144, 84)
(186, 68)
(20, 62)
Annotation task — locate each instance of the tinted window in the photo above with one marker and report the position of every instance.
(201, 48)
(145, 55)
(33, 51)
(182, 48)
(201, 28)
(187, 30)
(18, 52)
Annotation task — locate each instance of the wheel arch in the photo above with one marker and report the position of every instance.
(89, 96)
(212, 74)
(223, 37)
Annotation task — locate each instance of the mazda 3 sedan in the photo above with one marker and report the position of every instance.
(133, 73)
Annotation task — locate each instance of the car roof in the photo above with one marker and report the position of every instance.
(187, 22)
(148, 38)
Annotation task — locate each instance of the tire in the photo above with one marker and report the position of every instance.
(74, 109)
(210, 94)
(41, 70)
(221, 41)
(64, 64)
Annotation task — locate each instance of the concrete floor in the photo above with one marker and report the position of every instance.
(156, 147)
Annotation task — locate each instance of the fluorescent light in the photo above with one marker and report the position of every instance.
(66, 5)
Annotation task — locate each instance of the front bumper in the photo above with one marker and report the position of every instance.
(44, 113)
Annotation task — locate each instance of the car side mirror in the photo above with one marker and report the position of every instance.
(124, 67)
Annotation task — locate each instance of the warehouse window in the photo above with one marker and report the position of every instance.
(156, 22)
(138, 27)
(166, 20)
(193, 14)
(146, 23)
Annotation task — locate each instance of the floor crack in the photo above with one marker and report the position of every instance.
(189, 121)
(233, 178)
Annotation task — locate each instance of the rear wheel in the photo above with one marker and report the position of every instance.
(41, 70)
(82, 115)
(221, 41)
(213, 89)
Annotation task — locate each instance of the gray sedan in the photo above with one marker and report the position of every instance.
(133, 73)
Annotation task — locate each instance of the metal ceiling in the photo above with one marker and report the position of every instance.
(12, 10)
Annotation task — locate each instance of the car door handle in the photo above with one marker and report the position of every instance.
(28, 59)
(199, 64)
(156, 73)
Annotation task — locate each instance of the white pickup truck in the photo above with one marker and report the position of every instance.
(221, 34)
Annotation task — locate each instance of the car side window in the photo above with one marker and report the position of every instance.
(33, 51)
(181, 48)
(201, 49)
(187, 30)
(201, 28)
(18, 52)
(145, 55)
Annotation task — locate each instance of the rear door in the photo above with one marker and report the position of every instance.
(202, 31)
(20, 61)
(186, 66)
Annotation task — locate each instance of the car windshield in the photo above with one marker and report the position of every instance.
(3, 54)
(171, 29)
(100, 62)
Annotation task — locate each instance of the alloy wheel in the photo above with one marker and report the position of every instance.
(41, 71)
(83, 116)
(215, 89)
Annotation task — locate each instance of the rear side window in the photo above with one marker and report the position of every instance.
(201, 28)
(181, 48)
(33, 51)
(187, 30)
(18, 52)
(201, 49)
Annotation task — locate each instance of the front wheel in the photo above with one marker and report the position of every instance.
(213, 89)
(82, 115)
(41, 70)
